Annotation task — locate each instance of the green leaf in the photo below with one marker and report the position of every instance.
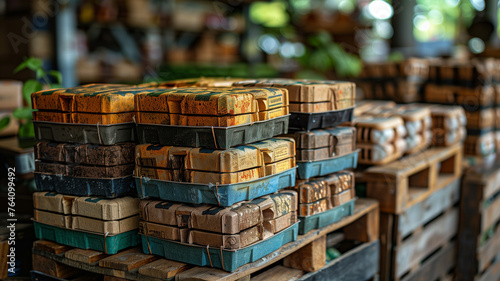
(320, 60)
(57, 75)
(309, 74)
(29, 88)
(55, 86)
(39, 73)
(23, 113)
(34, 64)
(27, 130)
(4, 122)
(21, 66)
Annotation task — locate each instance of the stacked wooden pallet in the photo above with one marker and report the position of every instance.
(479, 232)
(359, 260)
(418, 194)
(220, 195)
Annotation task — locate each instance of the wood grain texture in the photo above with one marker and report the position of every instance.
(478, 214)
(50, 247)
(421, 244)
(309, 258)
(360, 263)
(127, 260)
(424, 211)
(363, 207)
(53, 268)
(4, 251)
(405, 182)
(163, 269)
(386, 244)
(437, 266)
(279, 273)
(86, 256)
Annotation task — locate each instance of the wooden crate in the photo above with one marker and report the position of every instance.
(479, 232)
(418, 244)
(307, 254)
(405, 182)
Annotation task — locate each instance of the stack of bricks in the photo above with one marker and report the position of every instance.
(83, 184)
(324, 149)
(214, 202)
(401, 82)
(473, 84)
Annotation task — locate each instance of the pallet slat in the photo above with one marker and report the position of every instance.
(436, 267)
(364, 219)
(405, 182)
(362, 263)
(409, 239)
(423, 243)
(479, 233)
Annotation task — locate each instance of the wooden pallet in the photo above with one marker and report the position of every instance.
(417, 242)
(41, 276)
(479, 233)
(403, 183)
(359, 263)
(307, 254)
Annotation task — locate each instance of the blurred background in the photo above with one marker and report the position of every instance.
(130, 41)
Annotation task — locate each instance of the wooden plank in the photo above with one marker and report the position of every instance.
(414, 249)
(362, 207)
(435, 267)
(405, 182)
(53, 268)
(88, 277)
(492, 182)
(127, 260)
(203, 274)
(131, 275)
(360, 263)
(488, 251)
(334, 238)
(449, 169)
(163, 269)
(113, 278)
(365, 229)
(86, 256)
(490, 215)
(279, 273)
(487, 176)
(424, 211)
(4, 251)
(469, 230)
(50, 247)
(449, 277)
(309, 258)
(386, 238)
(40, 276)
(492, 273)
